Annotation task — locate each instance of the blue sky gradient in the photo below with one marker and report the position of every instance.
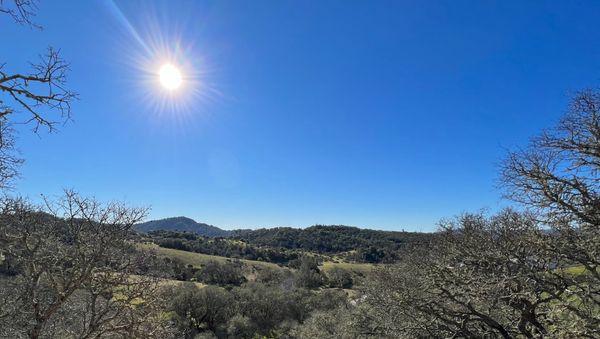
(380, 114)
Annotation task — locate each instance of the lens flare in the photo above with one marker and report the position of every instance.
(170, 77)
(166, 67)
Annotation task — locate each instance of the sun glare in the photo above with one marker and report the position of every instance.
(163, 74)
(170, 77)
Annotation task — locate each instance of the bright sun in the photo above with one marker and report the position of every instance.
(170, 77)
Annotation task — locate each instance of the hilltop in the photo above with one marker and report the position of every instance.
(182, 224)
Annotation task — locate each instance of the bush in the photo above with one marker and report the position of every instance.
(340, 278)
(240, 326)
(223, 274)
(309, 275)
(199, 309)
(272, 276)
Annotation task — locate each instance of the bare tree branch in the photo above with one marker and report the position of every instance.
(41, 93)
(21, 11)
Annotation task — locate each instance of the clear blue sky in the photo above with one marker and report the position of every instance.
(381, 114)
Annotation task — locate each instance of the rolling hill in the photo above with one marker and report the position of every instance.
(182, 224)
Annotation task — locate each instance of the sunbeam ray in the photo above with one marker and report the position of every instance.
(177, 95)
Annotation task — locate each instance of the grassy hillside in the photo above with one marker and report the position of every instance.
(283, 245)
(199, 259)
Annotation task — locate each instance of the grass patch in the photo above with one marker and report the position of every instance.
(577, 270)
(199, 259)
(361, 268)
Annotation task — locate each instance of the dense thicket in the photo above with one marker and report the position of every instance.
(366, 245)
(253, 310)
(284, 244)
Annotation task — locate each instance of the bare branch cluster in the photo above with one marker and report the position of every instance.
(40, 92)
(22, 11)
(484, 277)
(558, 175)
(74, 271)
(9, 161)
(42, 95)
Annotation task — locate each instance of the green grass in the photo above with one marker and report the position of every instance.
(355, 267)
(173, 282)
(199, 259)
(168, 282)
(577, 270)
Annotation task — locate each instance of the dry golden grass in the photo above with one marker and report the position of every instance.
(355, 267)
(199, 259)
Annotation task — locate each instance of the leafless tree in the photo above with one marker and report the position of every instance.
(558, 178)
(38, 97)
(74, 271)
(531, 274)
(558, 175)
(482, 277)
(472, 282)
(40, 92)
